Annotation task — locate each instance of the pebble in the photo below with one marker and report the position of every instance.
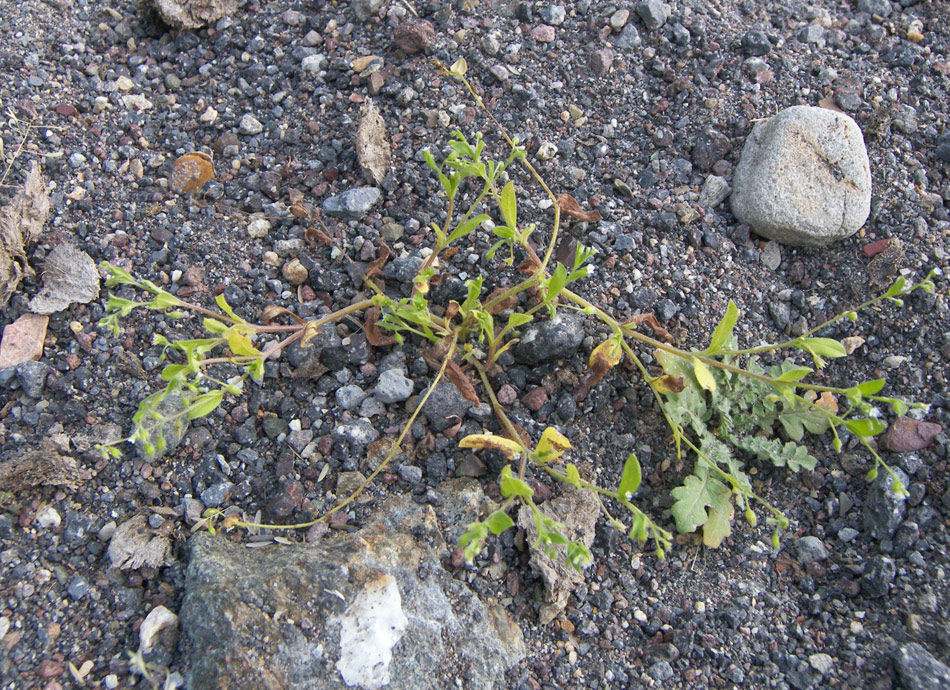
(810, 550)
(314, 64)
(553, 14)
(31, 376)
(772, 255)
(879, 573)
(258, 228)
(756, 43)
(392, 386)
(312, 38)
(601, 61)
(349, 397)
(445, 407)
(884, 508)
(618, 19)
(294, 272)
(78, 588)
(48, 518)
(653, 13)
(414, 36)
(557, 338)
(543, 33)
(216, 494)
(715, 190)
(919, 669)
(250, 125)
(358, 431)
(354, 203)
(410, 474)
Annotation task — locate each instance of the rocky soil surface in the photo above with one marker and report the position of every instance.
(639, 110)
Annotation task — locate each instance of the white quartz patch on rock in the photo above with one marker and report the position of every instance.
(371, 627)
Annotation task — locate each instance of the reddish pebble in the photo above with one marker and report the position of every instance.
(543, 33)
(907, 434)
(338, 520)
(535, 399)
(49, 669)
(874, 248)
(507, 394)
(73, 362)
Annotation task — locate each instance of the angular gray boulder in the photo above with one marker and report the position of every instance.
(370, 609)
(804, 178)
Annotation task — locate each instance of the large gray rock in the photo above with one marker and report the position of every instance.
(370, 609)
(804, 178)
(193, 14)
(557, 338)
(919, 669)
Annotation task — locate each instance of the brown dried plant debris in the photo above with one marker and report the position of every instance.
(21, 223)
(372, 144)
(43, 466)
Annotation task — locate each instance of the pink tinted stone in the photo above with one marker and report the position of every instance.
(543, 33)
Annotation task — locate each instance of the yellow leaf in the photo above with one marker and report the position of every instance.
(240, 343)
(552, 445)
(506, 446)
(603, 358)
(704, 377)
(459, 67)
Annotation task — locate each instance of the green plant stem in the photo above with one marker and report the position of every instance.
(502, 417)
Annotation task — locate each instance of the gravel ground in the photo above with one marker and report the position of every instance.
(632, 115)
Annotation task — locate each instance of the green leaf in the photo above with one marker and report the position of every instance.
(824, 347)
(240, 344)
(704, 377)
(630, 479)
(174, 371)
(205, 403)
(897, 288)
(509, 206)
(638, 530)
(573, 476)
(164, 300)
(512, 486)
(556, 283)
(214, 326)
(724, 330)
(518, 319)
(226, 308)
(865, 427)
(871, 387)
(719, 522)
(498, 522)
(467, 227)
(430, 161)
(692, 499)
(796, 374)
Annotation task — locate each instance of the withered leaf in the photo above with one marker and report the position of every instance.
(458, 378)
(569, 206)
(70, 275)
(372, 144)
(503, 445)
(828, 103)
(668, 384)
(21, 223)
(272, 311)
(451, 310)
(529, 266)
(373, 335)
(191, 172)
(604, 358)
(377, 264)
(507, 303)
(650, 320)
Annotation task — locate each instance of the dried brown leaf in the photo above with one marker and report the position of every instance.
(377, 264)
(21, 223)
(458, 378)
(272, 311)
(507, 303)
(372, 144)
(373, 335)
(829, 104)
(604, 358)
(570, 207)
(668, 384)
(650, 320)
(191, 172)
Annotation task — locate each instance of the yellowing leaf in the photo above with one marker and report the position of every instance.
(719, 521)
(506, 446)
(667, 384)
(704, 377)
(552, 445)
(459, 67)
(603, 358)
(240, 343)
